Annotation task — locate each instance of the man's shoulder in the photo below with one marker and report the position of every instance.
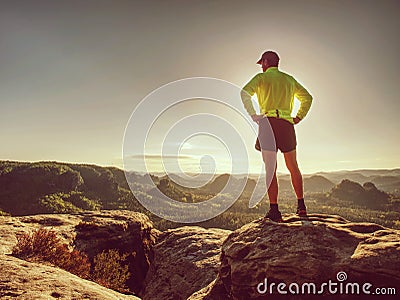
(257, 76)
(277, 73)
(285, 73)
(287, 76)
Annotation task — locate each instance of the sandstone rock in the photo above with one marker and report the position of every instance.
(186, 259)
(214, 291)
(10, 227)
(92, 232)
(126, 231)
(305, 251)
(20, 279)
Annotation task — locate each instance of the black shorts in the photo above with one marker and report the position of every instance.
(283, 131)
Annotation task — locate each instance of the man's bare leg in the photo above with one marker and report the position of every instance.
(297, 181)
(295, 174)
(273, 190)
(269, 158)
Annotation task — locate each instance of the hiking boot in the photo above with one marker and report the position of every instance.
(274, 215)
(301, 211)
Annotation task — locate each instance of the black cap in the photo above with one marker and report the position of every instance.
(271, 56)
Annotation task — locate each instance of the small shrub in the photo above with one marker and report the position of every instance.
(41, 245)
(74, 262)
(110, 270)
(24, 246)
(109, 267)
(44, 245)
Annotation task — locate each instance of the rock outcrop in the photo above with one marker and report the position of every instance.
(20, 279)
(90, 232)
(365, 195)
(194, 263)
(129, 232)
(315, 250)
(186, 259)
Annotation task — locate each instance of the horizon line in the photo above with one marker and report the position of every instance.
(194, 173)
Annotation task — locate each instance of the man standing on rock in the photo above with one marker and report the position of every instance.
(275, 91)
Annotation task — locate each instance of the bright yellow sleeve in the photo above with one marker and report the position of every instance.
(249, 90)
(305, 100)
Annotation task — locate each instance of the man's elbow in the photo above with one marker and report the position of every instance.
(308, 99)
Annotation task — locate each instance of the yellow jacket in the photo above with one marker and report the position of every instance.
(275, 91)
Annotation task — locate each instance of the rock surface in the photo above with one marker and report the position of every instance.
(91, 232)
(186, 259)
(129, 232)
(305, 251)
(207, 264)
(20, 279)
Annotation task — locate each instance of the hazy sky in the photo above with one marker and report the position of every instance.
(72, 72)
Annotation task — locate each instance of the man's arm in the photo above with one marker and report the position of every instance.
(305, 100)
(247, 92)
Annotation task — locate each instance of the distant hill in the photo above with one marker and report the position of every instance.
(314, 184)
(386, 180)
(216, 186)
(318, 183)
(220, 181)
(365, 195)
(53, 187)
(387, 183)
(285, 183)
